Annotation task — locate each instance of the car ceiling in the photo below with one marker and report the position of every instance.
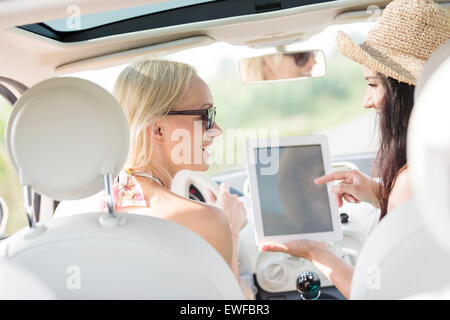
(30, 58)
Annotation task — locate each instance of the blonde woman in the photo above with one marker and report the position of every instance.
(171, 117)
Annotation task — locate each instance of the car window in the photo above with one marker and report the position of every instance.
(10, 188)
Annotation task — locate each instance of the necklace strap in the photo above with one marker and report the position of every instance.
(146, 175)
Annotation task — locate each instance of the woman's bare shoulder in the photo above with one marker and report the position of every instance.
(401, 191)
(165, 204)
(194, 210)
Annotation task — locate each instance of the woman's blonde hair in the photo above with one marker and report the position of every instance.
(253, 68)
(147, 90)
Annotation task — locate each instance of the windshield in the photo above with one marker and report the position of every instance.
(330, 105)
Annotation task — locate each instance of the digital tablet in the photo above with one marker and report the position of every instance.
(287, 204)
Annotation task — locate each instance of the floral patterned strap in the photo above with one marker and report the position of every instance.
(127, 192)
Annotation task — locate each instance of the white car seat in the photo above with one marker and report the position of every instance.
(403, 256)
(430, 155)
(67, 138)
(429, 147)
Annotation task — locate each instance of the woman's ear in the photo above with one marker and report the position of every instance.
(155, 132)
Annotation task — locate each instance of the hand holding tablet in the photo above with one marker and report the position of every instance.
(297, 248)
(287, 204)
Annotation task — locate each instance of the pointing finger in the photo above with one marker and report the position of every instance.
(224, 188)
(340, 175)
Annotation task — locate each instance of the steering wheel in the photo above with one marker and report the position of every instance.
(193, 185)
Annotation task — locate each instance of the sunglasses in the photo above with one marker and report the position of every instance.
(208, 115)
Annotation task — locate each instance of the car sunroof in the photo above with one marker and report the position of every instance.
(92, 20)
(153, 16)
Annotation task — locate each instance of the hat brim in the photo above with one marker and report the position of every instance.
(395, 65)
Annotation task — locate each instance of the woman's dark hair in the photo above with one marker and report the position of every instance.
(300, 58)
(393, 123)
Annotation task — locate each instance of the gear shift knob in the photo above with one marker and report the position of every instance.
(308, 284)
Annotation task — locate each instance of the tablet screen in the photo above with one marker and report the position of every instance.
(291, 203)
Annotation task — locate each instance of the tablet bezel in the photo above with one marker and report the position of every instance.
(250, 145)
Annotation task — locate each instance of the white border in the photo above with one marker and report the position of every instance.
(250, 145)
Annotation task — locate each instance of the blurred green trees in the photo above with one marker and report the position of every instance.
(317, 103)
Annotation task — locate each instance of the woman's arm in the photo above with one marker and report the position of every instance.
(401, 191)
(214, 228)
(236, 215)
(354, 187)
(235, 254)
(338, 271)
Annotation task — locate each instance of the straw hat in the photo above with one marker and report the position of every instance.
(401, 41)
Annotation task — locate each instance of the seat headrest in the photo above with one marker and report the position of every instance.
(433, 63)
(429, 145)
(64, 134)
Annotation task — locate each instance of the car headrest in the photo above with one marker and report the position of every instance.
(435, 60)
(64, 135)
(429, 145)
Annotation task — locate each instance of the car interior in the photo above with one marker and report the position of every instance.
(55, 117)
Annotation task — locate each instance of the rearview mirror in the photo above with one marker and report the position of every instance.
(283, 66)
